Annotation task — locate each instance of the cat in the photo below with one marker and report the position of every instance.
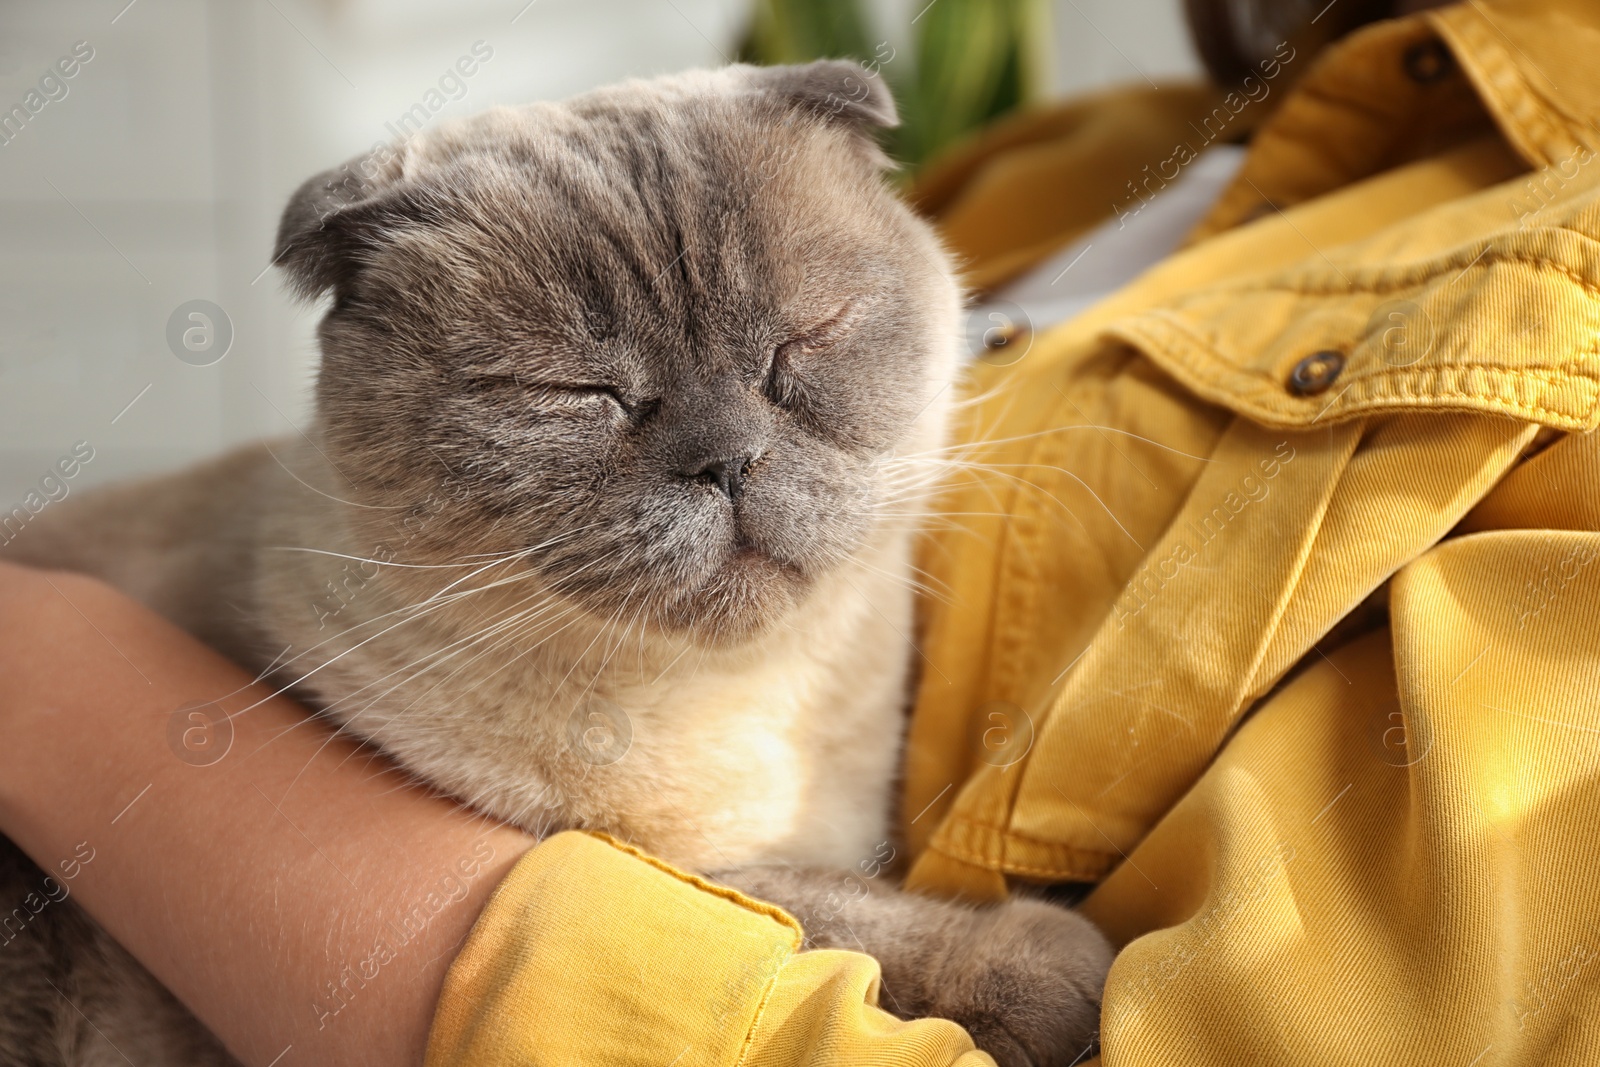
(605, 520)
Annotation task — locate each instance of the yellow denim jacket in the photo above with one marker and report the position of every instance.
(1271, 605)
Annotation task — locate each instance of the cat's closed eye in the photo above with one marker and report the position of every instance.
(781, 386)
(785, 383)
(587, 396)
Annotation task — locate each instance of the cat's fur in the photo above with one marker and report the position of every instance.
(622, 399)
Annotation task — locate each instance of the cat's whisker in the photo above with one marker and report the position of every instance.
(437, 660)
(320, 492)
(494, 563)
(985, 442)
(579, 658)
(347, 724)
(908, 581)
(600, 670)
(366, 641)
(423, 608)
(549, 597)
(1001, 469)
(502, 558)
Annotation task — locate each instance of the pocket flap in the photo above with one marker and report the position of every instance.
(1509, 324)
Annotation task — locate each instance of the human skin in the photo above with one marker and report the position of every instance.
(249, 884)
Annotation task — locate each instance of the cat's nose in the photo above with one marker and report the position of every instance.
(726, 474)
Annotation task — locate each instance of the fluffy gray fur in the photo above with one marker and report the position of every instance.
(624, 418)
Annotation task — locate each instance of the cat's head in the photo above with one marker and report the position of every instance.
(658, 339)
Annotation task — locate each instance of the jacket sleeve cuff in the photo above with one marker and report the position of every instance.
(593, 952)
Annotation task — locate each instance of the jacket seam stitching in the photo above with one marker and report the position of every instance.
(1323, 285)
(1006, 832)
(1006, 867)
(732, 896)
(1548, 374)
(748, 1044)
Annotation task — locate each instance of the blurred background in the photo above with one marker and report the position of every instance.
(139, 196)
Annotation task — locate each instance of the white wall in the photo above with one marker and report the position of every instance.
(158, 178)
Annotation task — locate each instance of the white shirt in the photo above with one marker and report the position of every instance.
(1111, 255)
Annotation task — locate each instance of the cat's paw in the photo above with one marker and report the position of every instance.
(1025, 982)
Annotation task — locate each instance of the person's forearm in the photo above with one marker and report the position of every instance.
(300, 898)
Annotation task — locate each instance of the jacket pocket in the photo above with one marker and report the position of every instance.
(1508, 324)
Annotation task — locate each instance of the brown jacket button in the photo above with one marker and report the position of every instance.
(1428, 61)
(1316, 372)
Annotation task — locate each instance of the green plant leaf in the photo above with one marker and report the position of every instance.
(975, 61)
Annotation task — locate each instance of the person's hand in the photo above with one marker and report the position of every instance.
(246, 857)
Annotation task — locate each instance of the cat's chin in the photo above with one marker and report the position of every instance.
(747, 597)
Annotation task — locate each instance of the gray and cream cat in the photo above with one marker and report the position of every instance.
(617, 429)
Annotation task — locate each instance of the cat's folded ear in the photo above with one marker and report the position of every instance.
(335, 218)
(838, 90)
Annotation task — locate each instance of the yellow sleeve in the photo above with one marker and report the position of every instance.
(592, 952)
